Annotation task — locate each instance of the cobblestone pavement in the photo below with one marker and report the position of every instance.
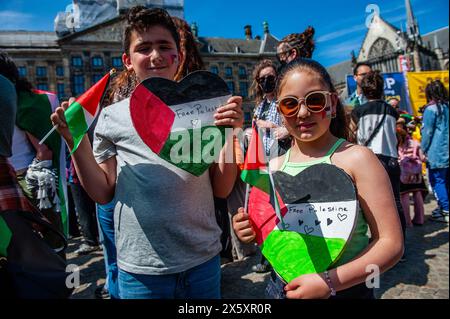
(424, 274)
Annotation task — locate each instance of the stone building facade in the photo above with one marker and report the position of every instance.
(70, 62)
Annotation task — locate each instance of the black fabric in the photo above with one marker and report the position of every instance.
(392, 168)
(223, 220)
(86, 211)
(32, 269)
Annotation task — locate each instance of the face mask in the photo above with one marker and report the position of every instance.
(267, 84)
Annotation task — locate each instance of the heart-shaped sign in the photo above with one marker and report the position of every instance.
(314, 203)
(176, 119)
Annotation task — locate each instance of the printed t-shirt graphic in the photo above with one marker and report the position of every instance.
(176, 120)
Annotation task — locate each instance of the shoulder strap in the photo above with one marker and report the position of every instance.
(335, 147)
(286, 159)
(375, 131)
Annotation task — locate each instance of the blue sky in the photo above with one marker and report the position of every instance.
(340, 25)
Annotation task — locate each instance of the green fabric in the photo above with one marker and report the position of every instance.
(33, 116)
(359, 240)
(257, 178)
(179, 148)
(5, 237)
(76, 122)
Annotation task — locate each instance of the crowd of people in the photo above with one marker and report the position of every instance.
(165, 232)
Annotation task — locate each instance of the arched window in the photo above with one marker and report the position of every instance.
(380, 48)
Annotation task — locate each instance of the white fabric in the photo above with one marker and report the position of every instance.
(22, 150)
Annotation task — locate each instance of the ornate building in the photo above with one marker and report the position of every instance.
(384, 45)
(70, 60)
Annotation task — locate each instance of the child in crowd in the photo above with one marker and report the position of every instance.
(315, 118)
(167, 238)
(410, 157)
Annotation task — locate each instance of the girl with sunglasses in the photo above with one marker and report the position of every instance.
(314, 116)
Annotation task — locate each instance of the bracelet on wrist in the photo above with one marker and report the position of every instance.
(329, 283)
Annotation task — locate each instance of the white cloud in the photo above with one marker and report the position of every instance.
(14, 19)
(340, 33)
(341, 50)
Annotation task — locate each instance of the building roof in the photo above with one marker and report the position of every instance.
(441, 36)
(339, 71)
(33, 39)
(241, 46)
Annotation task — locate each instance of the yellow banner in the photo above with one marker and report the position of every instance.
(417, 82)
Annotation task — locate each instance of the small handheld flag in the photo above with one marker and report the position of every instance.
(82, 113)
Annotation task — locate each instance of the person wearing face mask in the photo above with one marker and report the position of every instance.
(296, 45)
(266, 115)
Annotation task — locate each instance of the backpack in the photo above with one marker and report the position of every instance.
(411, 167)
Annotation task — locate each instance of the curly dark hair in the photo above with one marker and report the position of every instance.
(339, 126)
(372, 85)
(436, 91)
(303, 43)
(140, 18)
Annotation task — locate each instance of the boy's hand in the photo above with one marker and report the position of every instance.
(230, 114)
(59, 119)
(243, 227)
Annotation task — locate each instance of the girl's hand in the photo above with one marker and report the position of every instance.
(230, 114)
(59, 119)
(310, 286)
(243, 227)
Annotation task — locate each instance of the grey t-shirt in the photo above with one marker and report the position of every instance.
(8, 109)
(164, 217)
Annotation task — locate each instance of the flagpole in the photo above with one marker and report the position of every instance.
(48, 134)
(111, 72)
(276, 204)
(247, 192)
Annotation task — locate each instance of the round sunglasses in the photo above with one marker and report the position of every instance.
(315, 102)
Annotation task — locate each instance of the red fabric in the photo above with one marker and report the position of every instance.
(262, 213)
(255, 158)
(151, 117)
(90, 100)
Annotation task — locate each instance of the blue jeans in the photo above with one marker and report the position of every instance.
(439, 183)
(105, 215)
(200, 282)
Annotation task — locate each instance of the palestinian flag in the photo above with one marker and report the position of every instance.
(33, 116)
(256, 172)
(176, 119)
(320, 211)
(83, 112)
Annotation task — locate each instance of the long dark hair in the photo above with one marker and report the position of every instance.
(436, 92)
(339, 124)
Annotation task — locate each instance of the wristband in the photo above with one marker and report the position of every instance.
(329, 283)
